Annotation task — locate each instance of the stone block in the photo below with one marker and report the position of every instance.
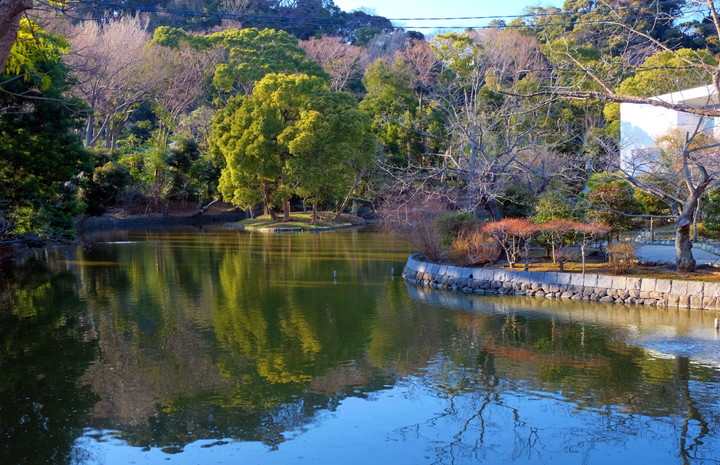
(679, 287)
(663, 286)
(567, 295)
(551, 277)
(486, 275)
(695, 288)
(684, 301)
(590, 280)
(539, 294)
(563, 279)
(711, 290)
(606, 299)
(513, 275)
(604, 281)
(619, 282)
(443, 270)
(648, 285)
(465, 273)
(535, 276)
(577, 280)
(633, 284)
(696, 301)
(709, 303)
(672, 300)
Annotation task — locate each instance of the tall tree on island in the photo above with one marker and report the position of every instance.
(292, 134)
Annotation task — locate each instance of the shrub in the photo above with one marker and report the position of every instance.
(472, 247)
(621, 256)
(450, 225)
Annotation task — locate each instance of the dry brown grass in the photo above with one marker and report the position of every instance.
(596, 266)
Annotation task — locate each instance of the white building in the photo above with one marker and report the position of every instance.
(641, 125)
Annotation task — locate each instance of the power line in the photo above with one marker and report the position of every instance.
(322, 22)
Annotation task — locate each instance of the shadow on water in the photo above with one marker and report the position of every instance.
(48, 342)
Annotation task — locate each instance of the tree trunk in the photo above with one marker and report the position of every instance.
(684, 260)
(266, 200)
(10, 11)
(286, 210)
(347, 197)
(492, 207)
(314, 214)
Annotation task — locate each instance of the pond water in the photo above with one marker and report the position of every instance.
(214, 346)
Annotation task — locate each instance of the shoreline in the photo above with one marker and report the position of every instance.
(661, 293)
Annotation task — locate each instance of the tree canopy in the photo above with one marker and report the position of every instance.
(39, 153)
(291, 135)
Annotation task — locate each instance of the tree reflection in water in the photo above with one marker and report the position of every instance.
(226, 339)
(47, 344)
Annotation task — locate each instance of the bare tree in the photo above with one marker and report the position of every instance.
(679, 172)
(184, 74)
(339, 59)
(493, 137)
(113, 73)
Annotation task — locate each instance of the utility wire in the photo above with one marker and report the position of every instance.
(653, 5)
(352, 23)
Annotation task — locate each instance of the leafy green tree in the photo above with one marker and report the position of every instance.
(393, 106)
(248, 55)
(39, 154)
(556, 204)
(104, 187)
(292, 134)
(611, 203)
(711, 225)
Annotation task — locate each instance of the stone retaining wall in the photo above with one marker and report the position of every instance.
(573, 286)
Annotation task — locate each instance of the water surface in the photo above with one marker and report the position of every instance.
(213, 346)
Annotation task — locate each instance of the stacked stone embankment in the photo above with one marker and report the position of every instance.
(573, 286)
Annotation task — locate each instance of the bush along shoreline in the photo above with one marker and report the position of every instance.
(667, 293)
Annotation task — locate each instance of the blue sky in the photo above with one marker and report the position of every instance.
(444, 9)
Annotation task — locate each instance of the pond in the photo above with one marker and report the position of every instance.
(215, 346)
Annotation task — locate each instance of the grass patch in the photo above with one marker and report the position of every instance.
(302, 221)
(594, 266)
